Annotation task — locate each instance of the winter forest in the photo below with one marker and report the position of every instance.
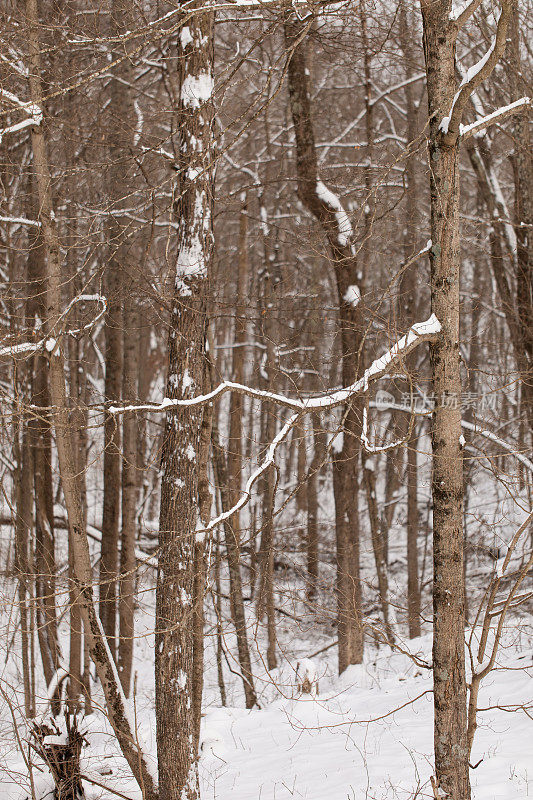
(266, 380)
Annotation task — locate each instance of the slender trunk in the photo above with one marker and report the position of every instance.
(75, 686)
(301, 467)
(449, 682)
(319, 456)
(201, 549)
(238, 614)
(218, 612)
(335, 223)
(228, 471)
(115, 701)
(112, 457)
(40, 434)
(44, 532)
(413, 582)
(128, 534)
(523, 213)
(265, 600)
(265, 597)
(409, 304)
(23, 526)
(378, 545)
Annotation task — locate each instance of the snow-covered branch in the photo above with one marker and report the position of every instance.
(256, 474)
(34, 118)
(475, 75)
(480, 125)
(484, 432)
(23, 349)
(20, 221)
(49, 343)
(420, 332)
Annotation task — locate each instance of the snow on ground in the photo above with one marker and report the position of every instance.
(352, 743)
(367, 735)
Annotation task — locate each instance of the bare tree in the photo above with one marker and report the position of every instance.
(176, 735)
(446, 106)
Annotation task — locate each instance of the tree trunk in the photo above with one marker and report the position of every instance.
(40, 437)
(265, 596)
(319, 456)
(408, 306)
(228, 472)
(23, 527)
(128, 535)
(238, 613)
(112, 457)
(119, 114)
(178, 774)
(335, 224)
(523, 180)
(449, 682)
(115, 701)
(378, 545)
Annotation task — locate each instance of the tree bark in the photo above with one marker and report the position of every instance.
(446, 106)
(238, 613)
(178, 773)
(336, 227)
(115, 701)
(128, 536)
(449, 682)
(408, 310)
(40, 437)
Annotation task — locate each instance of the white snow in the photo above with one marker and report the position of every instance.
(368, 735)
(187, 381)
(185, 36)
(50, 344)
(345, 231)
(480, 125)
(468, 77)
(197, 89)
(352, 295)
(459, 8)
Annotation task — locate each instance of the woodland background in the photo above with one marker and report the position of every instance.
(256, 193)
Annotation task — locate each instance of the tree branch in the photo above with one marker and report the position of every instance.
(480, 125)
(450, 125)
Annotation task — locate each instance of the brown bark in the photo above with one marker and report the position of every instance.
(238, 614)
(218, 612)
(343, 260)
(128, 536)
(201, 549)
(40, 438)
(112, 458)
(301, 467)
(228, 471)
(79, 420)
(265, 596)
(378, 545)
(408, 310)
(523, 213)
(97, 643)
(119, 114)
(176, 723)
(319, 456)
(449, 683)
(23, 571)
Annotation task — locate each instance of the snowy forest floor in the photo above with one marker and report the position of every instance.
(367, 735)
